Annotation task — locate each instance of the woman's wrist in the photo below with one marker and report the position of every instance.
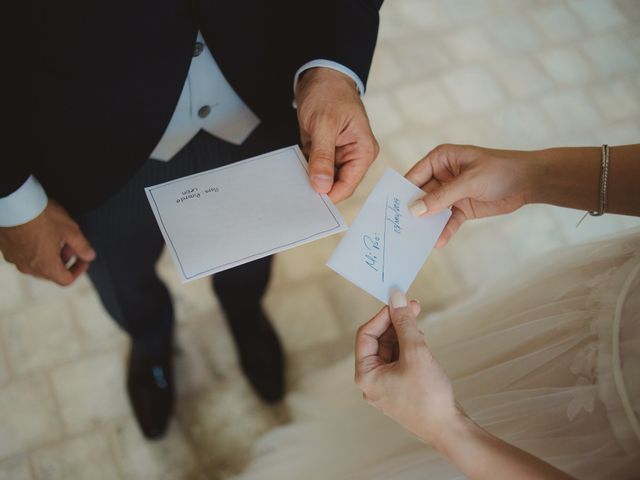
(480, 455)
(536, 173)
(452, 429)
(543, 175)
(567, 177)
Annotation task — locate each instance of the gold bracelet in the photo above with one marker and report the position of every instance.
(604, 176)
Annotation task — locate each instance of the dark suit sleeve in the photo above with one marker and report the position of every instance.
(16, 164)
(344, 31)
(14, 175)
(18, 145)
(17, 148)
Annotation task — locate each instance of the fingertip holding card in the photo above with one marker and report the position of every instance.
(386, 246)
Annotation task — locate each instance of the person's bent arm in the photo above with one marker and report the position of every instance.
(480, 182)
(339, 40)
(399, 375)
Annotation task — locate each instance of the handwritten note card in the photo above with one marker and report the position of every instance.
(386, 246)
(222, 218)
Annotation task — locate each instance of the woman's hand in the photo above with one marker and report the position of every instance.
(398, 374)
(476, 182)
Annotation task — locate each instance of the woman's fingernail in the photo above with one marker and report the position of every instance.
(418, 208)
(398, 299)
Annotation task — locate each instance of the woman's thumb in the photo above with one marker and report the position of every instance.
(440, 198)
(403, 318)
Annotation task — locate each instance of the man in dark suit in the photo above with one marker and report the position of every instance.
(123, 95)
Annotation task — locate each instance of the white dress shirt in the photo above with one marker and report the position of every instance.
(207, 102)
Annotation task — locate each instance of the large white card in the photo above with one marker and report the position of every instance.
(386, 246)
(222, 218)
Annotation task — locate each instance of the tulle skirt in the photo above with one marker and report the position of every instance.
(547, 358)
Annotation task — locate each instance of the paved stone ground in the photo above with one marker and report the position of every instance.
(505, 73)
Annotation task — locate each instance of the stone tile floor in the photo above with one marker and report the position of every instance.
(504, 73)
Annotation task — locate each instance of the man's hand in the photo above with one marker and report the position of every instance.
(43, 246)
(335, 132)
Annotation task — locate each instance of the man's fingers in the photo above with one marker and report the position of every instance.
(78, 268)
(68, 265)
(322, 154)
(56, 272)
(349, 177)
(75, 262)
(81, 246)
(69, 256)
(352, 161)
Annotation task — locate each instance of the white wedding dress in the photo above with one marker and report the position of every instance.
(547, 359)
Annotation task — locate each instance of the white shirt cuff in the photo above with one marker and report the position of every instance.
(23, 205)
(327, 64)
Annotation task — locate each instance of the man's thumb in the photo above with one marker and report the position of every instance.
(322, 158)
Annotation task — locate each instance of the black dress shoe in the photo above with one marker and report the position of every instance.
(261, 355)
(151, 391)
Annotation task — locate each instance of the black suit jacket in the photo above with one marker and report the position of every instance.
(105, 77)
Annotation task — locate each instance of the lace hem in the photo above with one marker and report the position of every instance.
(612, 388)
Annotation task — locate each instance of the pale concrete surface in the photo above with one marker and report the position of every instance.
(504, 73)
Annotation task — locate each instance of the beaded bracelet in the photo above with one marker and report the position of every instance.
(604, 176)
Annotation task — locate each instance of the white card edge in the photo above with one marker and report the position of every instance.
(418, 191)
(258, 256)
(341, 227)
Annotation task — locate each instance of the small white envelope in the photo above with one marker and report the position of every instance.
(386, 246)
(222, 218)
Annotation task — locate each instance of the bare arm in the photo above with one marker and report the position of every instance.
(570, 177)
(480, 455)
(480, 182)
(399, 375)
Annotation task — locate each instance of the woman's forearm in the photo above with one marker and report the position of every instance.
(480, 455)
(570, 177)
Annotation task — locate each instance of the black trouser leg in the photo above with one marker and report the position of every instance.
(128, 243)
(240, 290)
